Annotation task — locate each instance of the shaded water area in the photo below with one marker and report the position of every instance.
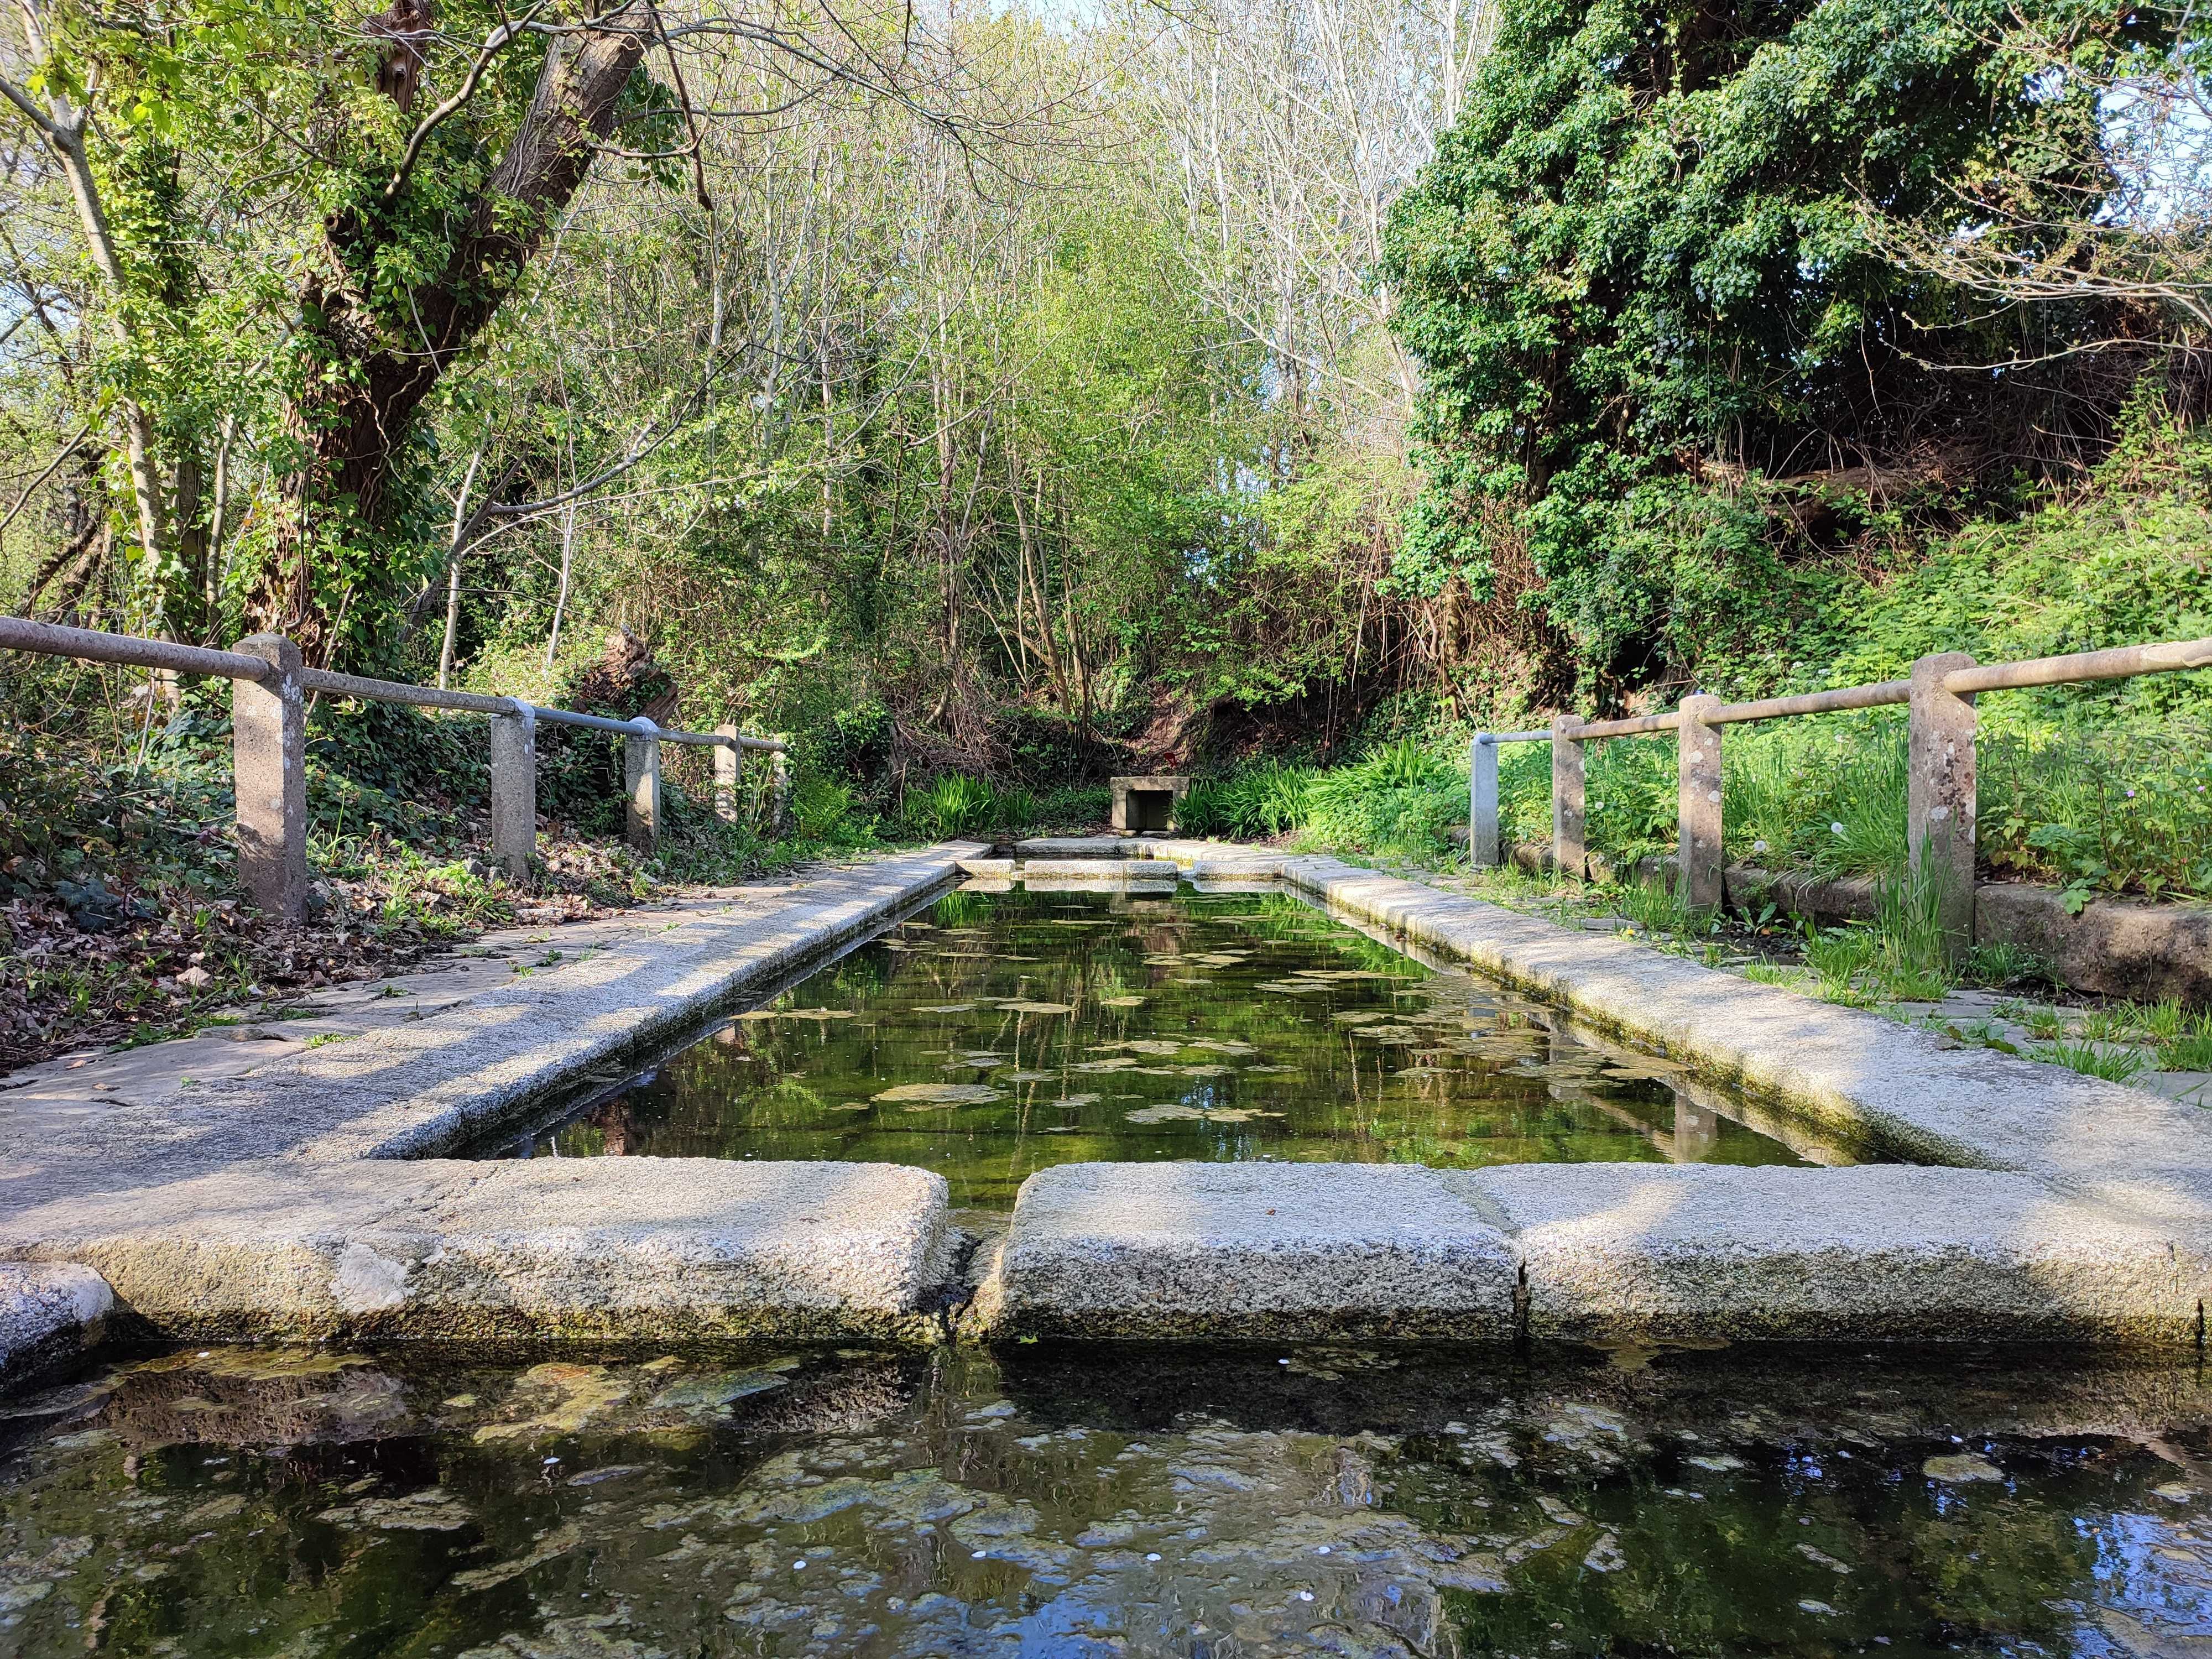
(288, 1502)
(997, 1034)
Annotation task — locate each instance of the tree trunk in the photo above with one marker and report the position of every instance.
(370, 374)
(454, 551)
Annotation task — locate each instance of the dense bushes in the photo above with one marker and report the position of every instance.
(1674, 355)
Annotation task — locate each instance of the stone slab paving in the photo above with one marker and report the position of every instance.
(1871, 1253)
(658, 1249)
(1247, 1251)
(219, 1184)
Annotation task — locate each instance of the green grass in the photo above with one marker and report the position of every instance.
(1654, 908)
(2074, 805)
(2112, 1064)
(2189, 1052)
(2004, 964)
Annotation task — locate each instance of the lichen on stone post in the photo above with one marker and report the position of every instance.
(1940, 790)
(641, 790)
(729, 763)
(1482, 837)
(1570, 852)
(1697, 803)
(269, 760)
(780, 794)
(514, 790)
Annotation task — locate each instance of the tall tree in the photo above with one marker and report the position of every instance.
(413, 266)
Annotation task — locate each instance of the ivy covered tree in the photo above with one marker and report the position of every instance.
(1668, 359)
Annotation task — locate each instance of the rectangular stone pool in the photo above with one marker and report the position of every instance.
(996, 1034)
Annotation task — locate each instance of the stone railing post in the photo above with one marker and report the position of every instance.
(1570, 852)
(514, 790)
(780, 794)
(1482, 842)
(729, 763)
(1697, 803)
(641, 787)
(1939, 803)
(269, 762)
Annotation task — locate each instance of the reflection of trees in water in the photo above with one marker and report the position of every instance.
(290, 1402)
(613, 1120)
(1453, 1487)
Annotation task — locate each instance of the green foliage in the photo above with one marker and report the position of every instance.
(1654, 907)
(2092, 812)
(2003, 963)
(1277, 614)
(2189, 1050)
(1074, 806)
(1645, 280)
(1397, 802)
(101, 838)
(2092, 1060)
(954, 806)
(1014, 811)
(825, 809)
(1264, 798)
(1901, 955)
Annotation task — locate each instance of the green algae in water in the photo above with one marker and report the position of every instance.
(1066, 1502)
(999, 1033)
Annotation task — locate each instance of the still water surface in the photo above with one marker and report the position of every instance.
(997, 1034)
(1231, 1504)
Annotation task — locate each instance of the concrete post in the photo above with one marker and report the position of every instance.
(1482, 844)
(1569, 853)
(514, 791)
(269, 762)
(780, 794)
(641, 790)
(729, 764)
(1939, 806)
(1697, 803)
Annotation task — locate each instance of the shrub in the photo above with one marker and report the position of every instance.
(956, 805)
(1079, 806)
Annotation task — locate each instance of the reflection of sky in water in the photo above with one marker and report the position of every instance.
(2155, 1569)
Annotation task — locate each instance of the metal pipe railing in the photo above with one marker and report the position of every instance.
(1814, 702)
(20, 633)
(1940, 792)
(422, 696)
(2121, 663)
(268, 740)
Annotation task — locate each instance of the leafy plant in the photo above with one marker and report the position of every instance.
(824, 808)
(1837, 958)
(1654, 907)
(2003, 963)
(956, 805)
(1013, 811)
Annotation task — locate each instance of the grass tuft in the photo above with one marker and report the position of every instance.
(2112, 1064)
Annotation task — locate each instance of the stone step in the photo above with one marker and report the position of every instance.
(1582, 1252)
(1131, 869)
(1229, 1252)
(601, 1248)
